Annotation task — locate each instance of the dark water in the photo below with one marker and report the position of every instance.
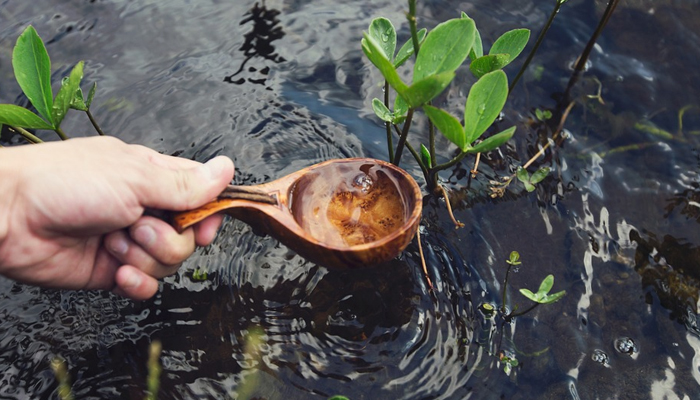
(281, 85)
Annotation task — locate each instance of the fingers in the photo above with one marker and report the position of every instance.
(134, 283)
(178, 189)
(152, 249)
(152, 246)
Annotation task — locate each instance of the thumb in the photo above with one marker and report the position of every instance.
(181, 189)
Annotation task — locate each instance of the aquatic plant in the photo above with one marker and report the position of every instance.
(438, 55)
(541, 296)
(32, 69)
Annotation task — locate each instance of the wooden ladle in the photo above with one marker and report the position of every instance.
(344, 213)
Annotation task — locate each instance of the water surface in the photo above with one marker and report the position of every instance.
(281, 85)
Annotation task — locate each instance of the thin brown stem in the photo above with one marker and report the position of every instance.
(449, 208)
(422, 260)
(475, 170)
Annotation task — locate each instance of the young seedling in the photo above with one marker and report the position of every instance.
(438, 55)
(32, 68)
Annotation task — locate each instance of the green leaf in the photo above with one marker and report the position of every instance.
(485, 101)
(338, 398)
(14, 115)
(485, 64)
(539, 175)
(445, 48)
(511, 43)
(493, 142)
(425, 156)
(32, 67)
(66, 94)
(527, 293)
(427, 89)
(400, 107)
(551, 298)
(382, 112)
(478, 46)
(514, 258)
(78, 102)
(375, 54)
(406, 50)
(448, 125)
(546, 285)
(383, 32)
(522, 175)
(91, 95)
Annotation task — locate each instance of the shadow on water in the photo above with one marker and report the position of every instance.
(615, 222)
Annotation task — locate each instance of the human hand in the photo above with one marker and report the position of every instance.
(72, 213)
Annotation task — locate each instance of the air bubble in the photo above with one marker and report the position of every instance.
(600, 357)
(626, 345)
(363, 182)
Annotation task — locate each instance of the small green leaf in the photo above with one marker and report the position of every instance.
(543, 115)
(551, 298)
(485, 101)
(493, 141)
(448, 125)
(511, 43)
(382, 112)
(485, 64)
(522, 175)
(539, 175)
(32, 67)
(546, 285)
(478, 46)
(406, 50)
(425, 156)
(338, 398)
(514, 258)
(445, 48)
(427, 89)
(383, 32)
(91, 95)
(375, 54)
(20, 117)
(78, 102)
(400, 107)
(66, 94)
(527, 293)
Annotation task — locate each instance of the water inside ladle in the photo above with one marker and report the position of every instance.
(340, 213)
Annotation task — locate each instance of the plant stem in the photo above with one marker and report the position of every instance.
(450, 163)
(411, 16)
(505, 287)
(28, 136)
(389, 139)
(402, 138)
(431, 130)
(94, 123)
(58, 365)
(581, 62)
(510, 316)
(61, 134)
(540, 38)
(154, 370)
(415, 155)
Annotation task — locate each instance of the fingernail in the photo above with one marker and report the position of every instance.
(132, 281)
(144, 235)
(215, 167)
(118, 245)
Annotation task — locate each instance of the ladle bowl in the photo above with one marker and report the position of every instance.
(344, 213)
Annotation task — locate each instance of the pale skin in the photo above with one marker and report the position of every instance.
(72, 214)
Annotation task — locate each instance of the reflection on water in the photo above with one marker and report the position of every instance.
(616, 221)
